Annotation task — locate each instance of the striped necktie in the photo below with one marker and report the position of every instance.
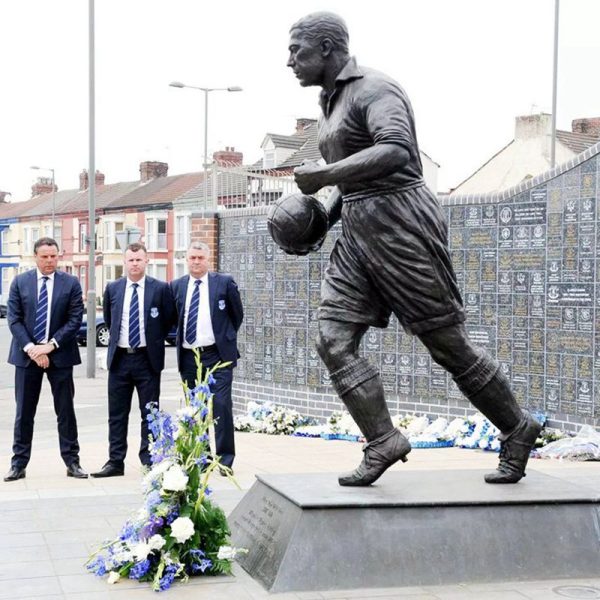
(41, 314)
(192, 321)
(134, 318)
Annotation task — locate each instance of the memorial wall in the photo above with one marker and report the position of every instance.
(527, 262)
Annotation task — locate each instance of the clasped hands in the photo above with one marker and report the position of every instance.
(39, 354)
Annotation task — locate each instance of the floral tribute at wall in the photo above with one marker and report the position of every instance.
(178, 532)
(474, 432)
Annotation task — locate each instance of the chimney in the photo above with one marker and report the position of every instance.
(302, 124)
(530, 126)
(3, 195)
(43, 185)
(84, 180)
(588, 126)
(228, 157)
(151, 169)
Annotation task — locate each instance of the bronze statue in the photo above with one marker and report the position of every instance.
(392, 254)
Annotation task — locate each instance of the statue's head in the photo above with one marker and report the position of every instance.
(314, 40)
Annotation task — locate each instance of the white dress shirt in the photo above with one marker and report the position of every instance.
(124, 331)
(205, 335)
(49, 289)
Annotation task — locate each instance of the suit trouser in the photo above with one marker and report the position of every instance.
(129, 372)
(222, 404)
(28, 384)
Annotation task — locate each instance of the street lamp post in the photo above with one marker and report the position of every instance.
(233, 88)
(36, 168)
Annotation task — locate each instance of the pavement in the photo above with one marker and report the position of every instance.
(49, 523)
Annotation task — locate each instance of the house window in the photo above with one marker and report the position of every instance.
(82, 237)
(83, 279)
(156, 234)
(179, 269)
(182, 232)
(7, 273)
(112, 272)
(5, 245)
(158, 271)
(110, 239)
(31, 235)
(269, 160)
(58, 236)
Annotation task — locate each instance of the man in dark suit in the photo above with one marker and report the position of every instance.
(210, 312)
(139, 312)
(45, 309)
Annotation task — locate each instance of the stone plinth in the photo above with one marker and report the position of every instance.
(305, 532)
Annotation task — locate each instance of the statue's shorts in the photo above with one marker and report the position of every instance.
(392, 257)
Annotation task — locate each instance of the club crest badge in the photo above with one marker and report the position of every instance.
(154, 312)
(221, 304)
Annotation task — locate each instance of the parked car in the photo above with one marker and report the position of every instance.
(3, 308)
(103, 335)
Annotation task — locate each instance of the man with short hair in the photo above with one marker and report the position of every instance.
(210, 313)
(392, 255)
(139, 312)
(45, 310)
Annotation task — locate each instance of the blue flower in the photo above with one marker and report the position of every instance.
(152, 526)
(139, 569)
(202, 461)
(205, 563)
(172, 516)
(167, 579)
(203, 438)
(98, 566)
(211, 380)
(128, 532)
(204, 412)
(197, 552)
(207, 491)
(153, 499)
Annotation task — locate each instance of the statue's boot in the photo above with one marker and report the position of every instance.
(515, 448)
(359, 386)
(378, 455)
(519, 430)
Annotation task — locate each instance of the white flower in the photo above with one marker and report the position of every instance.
(141, 550)
(156, 542)
(122, 556)
(182, 529)
(175, 479)
(142, 514)
(156, 470)
(226, 553)
(113, 577)
(186, 413)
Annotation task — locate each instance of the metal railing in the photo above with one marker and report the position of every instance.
(237, 186)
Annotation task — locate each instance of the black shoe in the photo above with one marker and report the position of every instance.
(514, 453)
(75, 470)
(379, 454)
(14, 474)
(109, 470)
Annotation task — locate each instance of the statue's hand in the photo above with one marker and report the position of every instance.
(313, 248)
(309, 177)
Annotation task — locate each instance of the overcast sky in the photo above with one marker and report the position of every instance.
(469, 67)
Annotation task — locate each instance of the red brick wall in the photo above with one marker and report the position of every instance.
(206, 229)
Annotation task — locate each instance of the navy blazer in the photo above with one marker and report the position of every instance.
(159, 317)
(226, 313)
(66, 314)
